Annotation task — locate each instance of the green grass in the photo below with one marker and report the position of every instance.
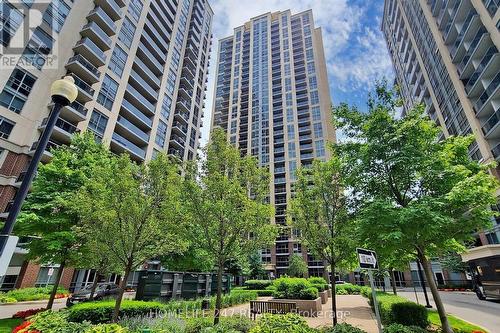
(456, 323)
(7, 325)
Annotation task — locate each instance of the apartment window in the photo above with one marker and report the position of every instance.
(291, 132)
(316, 113)
(289, 115)
(318, 130)
(319, 148)
(292, 167)
(308, 42)
(56, 14)
(17, 89)
(314, 97)
(134, 9)
(165, 107)
(313, 82)
(291, 150)
(45, 278)
(171, 81)
(118, 60)
(97, 124)
(127, 32)
(38, 48)
(6, 127)
(311, 68)
(108, 91)
(176, 57)
(287, 69)
(161, 134)
(10, 19)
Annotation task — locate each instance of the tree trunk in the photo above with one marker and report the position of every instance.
(393, 281)
(56, 285)
(218, 300)
(334, 293)
(94, 286)
(121, 291)
(435, 293)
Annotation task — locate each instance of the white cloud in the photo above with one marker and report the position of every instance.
(355, 54)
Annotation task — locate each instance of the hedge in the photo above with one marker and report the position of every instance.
(30, 294)
(102, 311)
(342, 328)
(397, 309)
(294, 288)
(258, 284)
(287, 323)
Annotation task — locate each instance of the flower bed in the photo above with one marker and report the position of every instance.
(27, 313)
(31, 294)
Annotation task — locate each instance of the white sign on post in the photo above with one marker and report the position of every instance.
(368, 260)
(50, 272)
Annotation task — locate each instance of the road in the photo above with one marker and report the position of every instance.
(8, 309)
(464, 305)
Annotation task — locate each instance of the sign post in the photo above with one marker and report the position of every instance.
(368, 260)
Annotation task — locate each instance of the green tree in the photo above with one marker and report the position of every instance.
(297, 267)
(47, 212)
(134, 212)
(320, 211)
(417, 194)
(227, 205)
(193, 259)
(255, 266)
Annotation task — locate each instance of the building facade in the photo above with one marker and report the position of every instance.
(272, 99)
(445, 56)
(141, 70)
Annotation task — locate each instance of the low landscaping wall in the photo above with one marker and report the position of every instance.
(306, 308)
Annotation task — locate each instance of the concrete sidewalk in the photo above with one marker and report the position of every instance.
(351, 309)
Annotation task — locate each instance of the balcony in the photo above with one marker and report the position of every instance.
(491, 128)
(83, 68)
(148, 57)
(121, 144)
(179, 128)
(111, 8)
(134, 113)
(187, 82)
(496, 152)
(90, 51)
(477, 46)
(93, 31)
(176, 152)
(99, 16)
(143, 86)
(75, 112)
(486, 68)
(131, 132)
(63, 130)
(490, 99)
(182, 116)
(139, 101)
(85, 91)
(177, 141)
(146, 73)
(47, 155)
(184, 104)
(153, 47)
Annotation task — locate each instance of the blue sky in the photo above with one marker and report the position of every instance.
(355, 49)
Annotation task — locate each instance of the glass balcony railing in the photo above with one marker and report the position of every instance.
(93, 47)
(479, 70)
(98, 31)
(460, 36)
(99, 12)
(138, 96)
(85, 63)
(471, 49)
(83, 85)
(132, 128)
(78, 107)
(136, 112)
(488, 92)
(64, 125)
(128, 145)
(491, 123)
(144, 85)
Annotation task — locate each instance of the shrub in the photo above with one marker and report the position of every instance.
(265, 292)
(317, 280)
(107, 328)
(34, 294)
(366, 292)
(342, 328)
(102, 311)
(163, 324)
(410, 314)
(258, 284)
(27, 313)
(351, 289)
(290, 322)
(56, 322)
(341, 292)
(294, 288)
(320, 287)
(6, 299)
(398, 328)
(197, 324)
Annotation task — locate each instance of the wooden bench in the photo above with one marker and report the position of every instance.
(258, 307)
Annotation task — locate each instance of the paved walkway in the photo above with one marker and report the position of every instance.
(352, 309)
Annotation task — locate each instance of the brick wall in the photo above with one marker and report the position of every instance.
(28, 275)
(67, 277)
(14, 164)
(6, 194)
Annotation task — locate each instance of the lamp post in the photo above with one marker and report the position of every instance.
(63, 92)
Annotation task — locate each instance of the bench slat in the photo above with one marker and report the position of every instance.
(258, 307)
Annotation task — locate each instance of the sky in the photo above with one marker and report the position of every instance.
(355, 49)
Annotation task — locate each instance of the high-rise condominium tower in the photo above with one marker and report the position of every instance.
(272, 98)
(140, 67)
(445, 54)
